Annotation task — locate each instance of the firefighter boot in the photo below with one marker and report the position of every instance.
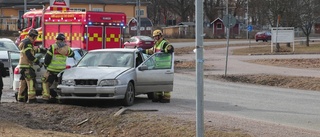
(165, 98)
(32, 101)
(157, 96)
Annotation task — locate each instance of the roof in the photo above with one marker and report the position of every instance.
(143, 21)
(237, 21)
(216, 20)
(9, 3)
(187, 23)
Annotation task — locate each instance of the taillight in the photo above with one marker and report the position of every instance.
(68, 66)
(16, 71)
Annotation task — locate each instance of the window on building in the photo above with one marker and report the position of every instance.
(78, 9)
(97, 9)
(219, 25)
(141, 12)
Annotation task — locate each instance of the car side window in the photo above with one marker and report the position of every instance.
(77, 55)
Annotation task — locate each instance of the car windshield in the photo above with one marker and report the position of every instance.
(145, 38)
(8, 45)
(107, 59)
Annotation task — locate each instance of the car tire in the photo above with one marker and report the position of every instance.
(129, 95)
(63, 101)
(256, 40)
(150, 95)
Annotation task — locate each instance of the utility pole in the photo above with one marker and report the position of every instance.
(138, 17)
(25, 6)
(228, 23)
(199, 67)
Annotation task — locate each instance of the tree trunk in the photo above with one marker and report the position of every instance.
(278, 47)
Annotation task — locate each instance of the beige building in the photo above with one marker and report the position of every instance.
(12, 10)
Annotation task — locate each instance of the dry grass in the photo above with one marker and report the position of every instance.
(305, 83)
(266, 49)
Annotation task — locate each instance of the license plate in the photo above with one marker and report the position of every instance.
(148, 42)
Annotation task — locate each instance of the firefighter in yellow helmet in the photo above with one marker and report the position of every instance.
(27, 59)
(161, 45)
(54, 62)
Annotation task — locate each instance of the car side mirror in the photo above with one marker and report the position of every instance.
(143, 67)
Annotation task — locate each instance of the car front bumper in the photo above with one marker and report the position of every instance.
(91, 92)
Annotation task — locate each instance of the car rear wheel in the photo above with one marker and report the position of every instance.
(129, 95)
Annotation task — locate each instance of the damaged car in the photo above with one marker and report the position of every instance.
(118, 74)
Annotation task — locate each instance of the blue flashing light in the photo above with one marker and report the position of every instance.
(121, 24)
(90, 23)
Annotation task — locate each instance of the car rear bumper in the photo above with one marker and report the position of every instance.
(91, 92)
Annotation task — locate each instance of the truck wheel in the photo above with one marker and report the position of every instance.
(129, 95)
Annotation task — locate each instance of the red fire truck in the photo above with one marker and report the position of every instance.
(87, 30)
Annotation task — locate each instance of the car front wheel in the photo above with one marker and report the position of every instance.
(129, 95)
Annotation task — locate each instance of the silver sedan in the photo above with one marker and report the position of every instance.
(117, 74)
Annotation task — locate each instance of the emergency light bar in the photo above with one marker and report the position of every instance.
(105, 24)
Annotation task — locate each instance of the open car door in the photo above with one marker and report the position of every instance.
(14, 57)
(156, 73)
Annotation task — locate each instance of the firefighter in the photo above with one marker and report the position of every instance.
(3, 73)
(161, 45)
(27, 59)
(54, 62)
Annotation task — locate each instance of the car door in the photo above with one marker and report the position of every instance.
(156, 73)
(13, 59)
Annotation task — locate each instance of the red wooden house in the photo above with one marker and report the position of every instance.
(219, 29)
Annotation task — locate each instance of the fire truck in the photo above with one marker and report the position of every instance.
(87, 30)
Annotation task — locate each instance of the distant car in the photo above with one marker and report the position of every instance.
(263, 35)
(119, 73)
(144, 42)
(6, 46)
(15, 56)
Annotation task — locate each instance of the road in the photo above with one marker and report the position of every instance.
(261, 110)
(233, 41)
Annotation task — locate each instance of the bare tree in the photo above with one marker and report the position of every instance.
(155, 11)
(212, 8)
(182, 8)
(309, 14)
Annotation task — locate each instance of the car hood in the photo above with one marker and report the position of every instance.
(93, 72)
